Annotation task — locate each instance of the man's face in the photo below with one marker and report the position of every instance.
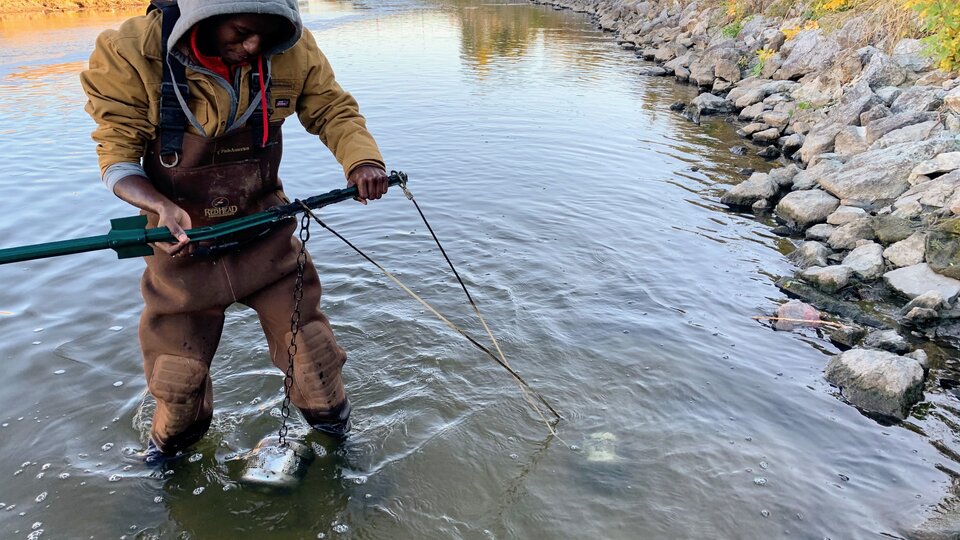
(238, 38)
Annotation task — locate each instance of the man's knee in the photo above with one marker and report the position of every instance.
(317, 367)
(179, 385)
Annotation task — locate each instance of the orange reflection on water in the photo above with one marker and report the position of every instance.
(22, 28)
(36, 73)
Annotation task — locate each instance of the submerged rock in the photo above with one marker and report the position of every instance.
(877, 381)
(796, 314)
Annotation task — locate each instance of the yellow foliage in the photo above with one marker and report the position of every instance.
(790, 33)
(942, 21)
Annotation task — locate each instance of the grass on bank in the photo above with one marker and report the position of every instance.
(935, 22)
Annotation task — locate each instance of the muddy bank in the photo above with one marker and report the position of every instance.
(8, 7)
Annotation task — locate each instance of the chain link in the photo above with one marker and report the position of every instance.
(294, 328)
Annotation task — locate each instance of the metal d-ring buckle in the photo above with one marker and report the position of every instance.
(176, 160)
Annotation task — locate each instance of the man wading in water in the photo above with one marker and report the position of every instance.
(188, 102)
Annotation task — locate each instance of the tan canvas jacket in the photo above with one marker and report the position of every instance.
(123, 87)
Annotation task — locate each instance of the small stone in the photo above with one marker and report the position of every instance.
(757, 187)
(770, 152)
(907, 252)
(845, 214)
(767, 135)
(810, 253)
(847, 335)
(820, 232)
(866, 261)
(886, 340)
(846, 236)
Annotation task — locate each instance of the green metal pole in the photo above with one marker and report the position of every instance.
(130, 238)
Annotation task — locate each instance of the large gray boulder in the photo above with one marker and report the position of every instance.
(880, 127)
(912, 54)
(881, 71)
(808, 52)
(910, 134)
(913, 281)
(880, 175)
(919, 99)
(877, 381)
(753, 93)
(756, 188)
(804, 208)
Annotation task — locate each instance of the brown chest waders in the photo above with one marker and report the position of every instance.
(217, 179)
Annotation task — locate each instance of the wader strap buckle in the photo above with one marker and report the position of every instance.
(176, 160)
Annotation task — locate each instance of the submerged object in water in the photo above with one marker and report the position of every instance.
(601, 447)
(274, 465)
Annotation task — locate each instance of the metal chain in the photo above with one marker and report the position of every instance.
(294, 327)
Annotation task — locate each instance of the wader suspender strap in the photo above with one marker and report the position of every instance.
(172, 118)
(256, 119)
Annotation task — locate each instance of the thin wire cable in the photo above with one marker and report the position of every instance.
(440, 316)
(476, 309)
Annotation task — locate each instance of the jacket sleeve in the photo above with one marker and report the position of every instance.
(327, 110)
(118, 102)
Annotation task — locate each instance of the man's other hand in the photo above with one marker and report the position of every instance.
(176, 220)
(371, 182)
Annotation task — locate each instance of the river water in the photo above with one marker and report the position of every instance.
(585, 218)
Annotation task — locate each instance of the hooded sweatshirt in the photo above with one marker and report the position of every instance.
(123, 81)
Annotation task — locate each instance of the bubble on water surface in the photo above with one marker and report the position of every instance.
(360, 480)
(35, 534)
(127, 467)
(764, 465)
(765, 513)
(41, 497)
(45, 466)
(321, 535)
(760, 481)
(195, 457)
(36, 525)
(199, 490)
(158, 499)
(59, 372)
(18, 472)
(114, 478)
(106, 447)
(514, 456)
(63, 475)
(340, 528)
(118, 384)
(38, 329)
(116, 328)
(40, 475)
(5, 424)
(37, 342)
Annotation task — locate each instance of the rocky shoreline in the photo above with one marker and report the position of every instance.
(868, 186)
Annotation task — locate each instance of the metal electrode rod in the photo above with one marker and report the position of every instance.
(129, 236)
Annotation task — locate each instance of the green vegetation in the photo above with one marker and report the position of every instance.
(941, 19)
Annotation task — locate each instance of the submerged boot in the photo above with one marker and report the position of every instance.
(154, 457)
(335, 422)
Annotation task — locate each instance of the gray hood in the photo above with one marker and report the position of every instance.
(194, 11)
